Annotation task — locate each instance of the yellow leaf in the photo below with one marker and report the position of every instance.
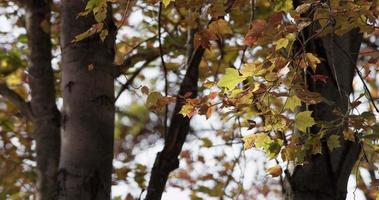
(313, 61)
(275, 170)
(281, 43)
(187, 110)
(230, 79)
(303, 120)
(166, 2)
(253, 69)
(293, 102)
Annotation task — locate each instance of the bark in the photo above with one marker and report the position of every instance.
(88, 111)
(46, 116)
(167, 160)
(326, 175)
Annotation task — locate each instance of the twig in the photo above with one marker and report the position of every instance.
(163, 64)
(131, 79)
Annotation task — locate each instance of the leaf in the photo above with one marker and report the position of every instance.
(348, 134)
(275, 170)
(145, 89)
(281, 43)
(304, 120)
(167, 2)
(202, 38)
(100, 11)
(333, 142)
(94, 29)
(303, 8)
(206, 142)
(219, 28)
(313, 61)
(257, 28)
(153, 99)
(103, 34)
(230, 79)
(91, 67)
(293, 102)
(187, 110)
(319, 77)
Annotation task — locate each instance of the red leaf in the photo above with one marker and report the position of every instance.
(319, 77)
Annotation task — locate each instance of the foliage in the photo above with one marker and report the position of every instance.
(252, 86)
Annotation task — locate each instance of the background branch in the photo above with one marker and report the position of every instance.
(17, 100)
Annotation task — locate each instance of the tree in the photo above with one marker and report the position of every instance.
(88, 112)
(293, 79)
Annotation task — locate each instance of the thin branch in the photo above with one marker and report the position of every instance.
(17, 100)
(131, 79)
(163, 64)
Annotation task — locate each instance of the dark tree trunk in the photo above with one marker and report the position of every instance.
(88, 112)
(46, 115)
(167, 160)
(325, 176)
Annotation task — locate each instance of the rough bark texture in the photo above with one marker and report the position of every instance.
(46, 116)
(167, 160)
(326, 175)
(88, 112)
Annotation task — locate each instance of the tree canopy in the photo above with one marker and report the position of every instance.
(252, 95)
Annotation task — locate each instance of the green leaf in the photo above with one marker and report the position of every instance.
(293, 102)
(333, 142)
(153, 99)
(230, 79)
(303, 120)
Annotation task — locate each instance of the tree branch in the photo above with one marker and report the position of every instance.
(17, 100)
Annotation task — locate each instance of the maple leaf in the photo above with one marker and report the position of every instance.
(219, 28)
(153, 99)
(303, 120)
(230, 79)
(187, 110)
(257, 28)
(281, 43)
(333, 142)
(313, 61)
(293, 102)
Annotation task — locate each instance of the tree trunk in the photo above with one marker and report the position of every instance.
(46, 115)
(88, 112)
(325, 176)
(167, 160)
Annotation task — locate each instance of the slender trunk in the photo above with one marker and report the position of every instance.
(326, 175)
(45, 112)
(167, 160)
(88, 112)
